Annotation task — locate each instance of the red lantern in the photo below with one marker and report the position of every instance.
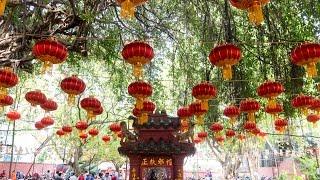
(98, 111)
(60, 132)
(204, 92)
(8, 79)
(232, 112)
(270, 90)
(39, 125)
(184, 113)
(254, 8)
(120, 135)
(83, 136)
(67, 129)
(5, 100)
(128, 7)
(230, 133)
(137, 54)
(216, 127)
(136, 112)
(315, 105)
(94, 132)
(35, 97)
(50, 52)
(90, 104)
(197, 140)
(241, 137)
(219, 139)
(302, 102)
(195, 109)
(256, 131)
(202, 135)
(13, 115)
(82, 125)
(281, 124)
(250, 106)
(184, 125)
(313, 118)
(249, 125)
(148, 108)
(141, 91)
(115, 127)
(274, 111)
(49, 105)
(307, 55)
(225, 56)
(47, 121)
(106, 138)
(73, 86)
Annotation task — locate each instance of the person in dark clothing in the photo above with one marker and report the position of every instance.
(59, 176)
(152, 175)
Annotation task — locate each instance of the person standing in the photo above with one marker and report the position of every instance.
(73, 176)
(81, 177)
(13, 175)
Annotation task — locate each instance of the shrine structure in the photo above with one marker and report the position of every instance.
(157, 152)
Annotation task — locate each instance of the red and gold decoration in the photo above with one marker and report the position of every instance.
(148, 108)
(73, 86)
(225, 56)
(97, 112)
(219, 139)
(216, 128)
(50, 52)
(60, 132)
(274, 111)
(241, 137)
(136, 112)
(82, 125)
(128, 7)
(13, 115)
(137, 54)
(230, 133)
(302, 102)
(93, 132)
(90, 104)
(249, 126)
(67, 129)
(197, 140)
(38, 125)
(2, 6)
(47, 121)
(232, 112)
(204, 92)
(8, 79)
(307, 55)
(35, 97)
(270, 90)
(250, 106)
(49, 105)
(115, 128)
(280, 124)
(83, 136)
(253, 7)
(5, 100)
(184, 114)
(315, 106)
(256, 131)
(195, 109)
(202, 135)
(106, 138)
(313, 118)
(141, 91)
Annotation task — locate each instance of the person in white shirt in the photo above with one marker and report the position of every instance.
(73, 176)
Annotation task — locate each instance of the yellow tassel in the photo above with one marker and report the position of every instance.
(232, 120)
(90, 115)
(137, 70)
(127, 9)
(272, 103)
(3, 92)
(311, 70)
(314, 125)
(1, 109)
(2, 6)
(251, 117)
(71, 99)
(47, 65)
(205, 105)
(305, 111)
(227, 72)
(144, 118)
(256, 14)
(139, 103)
(199, 120)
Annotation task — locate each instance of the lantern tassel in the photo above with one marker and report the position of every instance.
(255, 13)
(205, 105)
(272, 103)
(46, 66)
(90, 115)
(232, 120)
(71, 99)
(3, 92)
(137, 70)
(227, 72)
(2, 6)
(144, 118)
(1, 109)
(127, 9)
(311, 70)
(314, 125)
(305, 111)
(139, 103)
(251, 116)
(199, 120)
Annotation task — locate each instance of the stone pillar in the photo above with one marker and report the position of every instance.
(135, 163)
(178, 167)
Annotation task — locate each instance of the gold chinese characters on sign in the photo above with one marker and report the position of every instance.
(156, 161)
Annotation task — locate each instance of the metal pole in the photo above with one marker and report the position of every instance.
(12, 143)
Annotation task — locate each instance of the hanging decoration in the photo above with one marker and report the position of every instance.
(83, 136)
(204, 92)
(106, 138)
(47, 121)
(137, 54)
(232, 112)
(60, 132)
(38, 125)
(128, 7)
(256, 131)
(313, 118)
(270, 90)
(216, 128)
(148, 108)
(2, 6)
(50, 52)
(195, 109)
(241, 137)
(8, 79)
(49, 105)
(315, 105)
(90, 104)
(184, 114)
(253, 7)
(219, 139)
(93, 132)
(280, 124)
(250, 106)
(115, 128)
(82, 126)
(35, 97)
(5, 100)
(274, 111)
(197, 140)
(225, 56)
(249, 126)
(141, 91)
(202, 135)
(136, 112)
(13, 115)
(230, 133)
(302, 102)
(66, 129)
(73, 86)
(307, 55)
(97, 112)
